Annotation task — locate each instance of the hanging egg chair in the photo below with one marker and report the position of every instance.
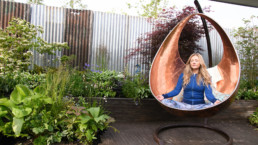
(168, 65)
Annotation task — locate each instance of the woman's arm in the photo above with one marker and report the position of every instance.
(209, 95)
(177, 89)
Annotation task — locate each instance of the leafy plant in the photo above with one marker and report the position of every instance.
(44, 115)
(136, 88)
(38, 69)
(102, 82)
(74, 4)
(17, 109)
(246, 91)
(39, 2)
(150, 8)
(92, 83)
(254, 118)
(11, 79)
(7, 84)
(77, 85)
(102, 58)
(248, 48)
(149, 43)
(86, 123)
(67, 60)
(16, 43)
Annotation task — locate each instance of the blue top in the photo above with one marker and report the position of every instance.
(193, 93)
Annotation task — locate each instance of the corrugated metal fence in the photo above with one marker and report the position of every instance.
(95, 38)
(216, 45)
(113, 36)
(10, 9)
(52, 21)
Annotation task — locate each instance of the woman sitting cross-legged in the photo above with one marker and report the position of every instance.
(195, 81)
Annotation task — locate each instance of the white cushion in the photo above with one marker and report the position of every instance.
(215, 75)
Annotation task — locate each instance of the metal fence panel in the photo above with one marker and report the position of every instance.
(113, 36)
(8, 10)
(216, 45)
(78, 33)
(52, 21)
(95, 38)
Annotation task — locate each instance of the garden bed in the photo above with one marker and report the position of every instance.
(149, 110)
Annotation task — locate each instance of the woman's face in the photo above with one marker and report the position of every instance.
(195, 62)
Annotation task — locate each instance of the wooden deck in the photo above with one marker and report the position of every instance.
(137, 129)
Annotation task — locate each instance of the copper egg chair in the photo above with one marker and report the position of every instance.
(167, 66)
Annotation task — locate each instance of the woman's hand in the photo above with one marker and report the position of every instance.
(160, 97)
(217, 102)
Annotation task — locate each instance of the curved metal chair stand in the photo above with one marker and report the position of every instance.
(160, 129)
(168, 65)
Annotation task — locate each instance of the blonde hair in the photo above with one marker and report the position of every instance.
(203, 74)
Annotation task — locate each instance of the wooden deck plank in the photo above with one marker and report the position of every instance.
(138, 123)
(140, 133)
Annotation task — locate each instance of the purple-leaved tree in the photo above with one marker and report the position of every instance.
(150, 42)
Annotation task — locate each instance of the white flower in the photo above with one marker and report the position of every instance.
(120, 75)
(30, 52)
(41, 55)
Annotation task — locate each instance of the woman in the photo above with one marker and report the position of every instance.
(195, 80)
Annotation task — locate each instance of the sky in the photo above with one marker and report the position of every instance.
(226, 15)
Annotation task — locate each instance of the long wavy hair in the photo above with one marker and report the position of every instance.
(203, 75)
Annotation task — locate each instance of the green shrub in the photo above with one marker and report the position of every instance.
(44, 115)
(77, 85)
(254, 118)
(7, 84)
(92, 83)
(246, 91)
(86, 120)
(248, 50)
(16, 43)
(101, 83)
(136, 87)
(10, 80)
